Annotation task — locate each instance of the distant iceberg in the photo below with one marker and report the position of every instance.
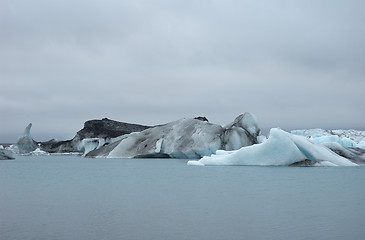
(6, 154)
(280, 149)
(39, 152)
(346, 138)
(26, 144)
(96, 133)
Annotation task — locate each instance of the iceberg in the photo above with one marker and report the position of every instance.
(6, 154)
(25, 143)
(95, 134)
(39, 152)
(185, 138)
(280, 149)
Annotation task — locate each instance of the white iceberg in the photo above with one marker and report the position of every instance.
(280, 149)
(38, 152)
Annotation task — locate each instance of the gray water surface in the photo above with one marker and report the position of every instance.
(69, 197)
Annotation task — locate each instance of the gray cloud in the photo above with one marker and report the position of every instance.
(295, 64)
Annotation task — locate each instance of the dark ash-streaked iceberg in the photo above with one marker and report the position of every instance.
(186, 138)
(95, 134)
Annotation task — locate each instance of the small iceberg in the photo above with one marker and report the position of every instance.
(6, 154)
(39, 152)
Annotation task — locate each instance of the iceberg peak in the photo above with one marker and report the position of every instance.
(25, 143)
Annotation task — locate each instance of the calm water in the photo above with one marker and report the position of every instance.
(63, 197)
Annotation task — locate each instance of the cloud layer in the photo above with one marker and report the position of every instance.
(295, 64)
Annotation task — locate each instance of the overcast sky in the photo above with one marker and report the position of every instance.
(294, 64)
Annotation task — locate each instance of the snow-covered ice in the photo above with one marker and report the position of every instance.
(346, 138)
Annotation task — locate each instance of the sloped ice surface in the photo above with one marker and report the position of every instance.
(356, 155)
(170, 139)
(281, 148)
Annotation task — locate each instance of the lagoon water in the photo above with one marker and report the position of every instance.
(70, 197)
